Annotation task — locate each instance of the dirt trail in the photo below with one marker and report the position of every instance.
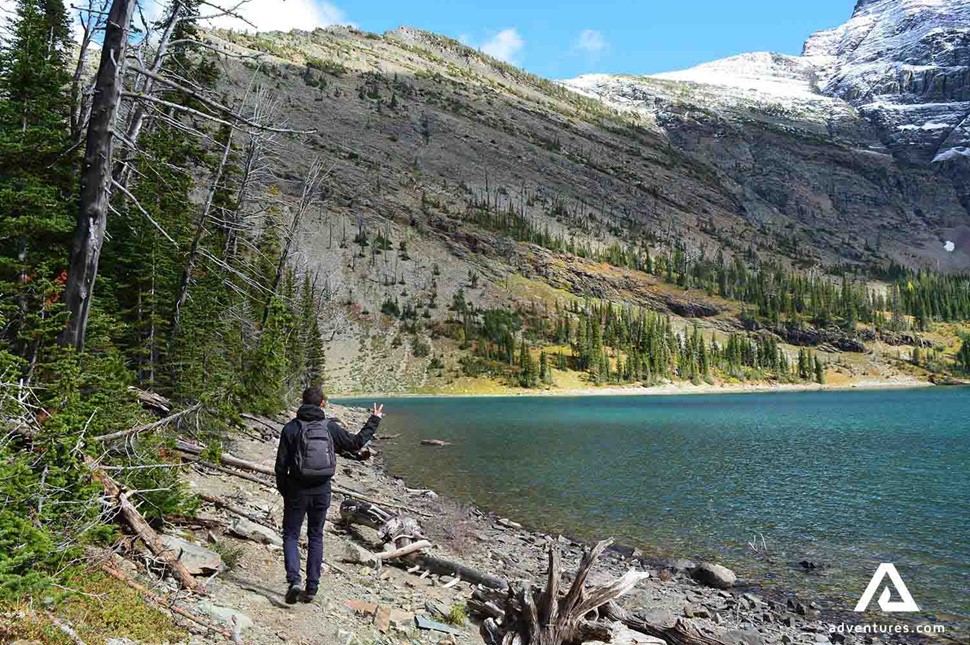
(255, 585)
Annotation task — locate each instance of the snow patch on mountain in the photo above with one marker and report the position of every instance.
(775, 74)
(904, 65)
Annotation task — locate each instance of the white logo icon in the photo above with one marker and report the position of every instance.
(906, 602)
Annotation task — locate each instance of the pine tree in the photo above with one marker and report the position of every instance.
(37, 175)
(963, 356)
(545, 371)
(311, 338)
(267, 363)
(528, 370)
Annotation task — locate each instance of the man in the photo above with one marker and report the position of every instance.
(305, 463)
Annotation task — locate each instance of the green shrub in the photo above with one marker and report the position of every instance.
(230, 553)
(332, 67)
(420, 347)
(457, 615)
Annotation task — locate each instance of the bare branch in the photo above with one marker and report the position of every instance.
(210, 103)
(142, 210)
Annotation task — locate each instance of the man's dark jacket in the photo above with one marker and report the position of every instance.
(287, 480)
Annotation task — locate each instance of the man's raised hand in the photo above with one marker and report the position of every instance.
(378, 411)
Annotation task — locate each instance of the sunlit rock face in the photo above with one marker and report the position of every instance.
(905, 64)
(866, 132)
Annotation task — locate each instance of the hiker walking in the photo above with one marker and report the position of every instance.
(305, 463)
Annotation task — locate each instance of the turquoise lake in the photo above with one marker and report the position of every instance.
(845, 479)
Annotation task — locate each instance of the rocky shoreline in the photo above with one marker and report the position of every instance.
(359, 603)
(672, 389)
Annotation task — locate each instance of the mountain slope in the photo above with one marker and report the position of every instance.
(445, 164)
(893, 80)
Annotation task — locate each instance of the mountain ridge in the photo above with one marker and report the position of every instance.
(457, 178)
(894, 79)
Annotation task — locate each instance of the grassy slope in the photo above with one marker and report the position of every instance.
(418, 126)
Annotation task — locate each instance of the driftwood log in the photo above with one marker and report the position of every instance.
(445, 567)
(148, 427)
(138, 524)
(531, 616)
(393, 528)
(218, 502)
(679, 634)
(225, 458)
(230, 471)
(401, 530)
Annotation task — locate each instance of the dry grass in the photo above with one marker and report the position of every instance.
(100, 607)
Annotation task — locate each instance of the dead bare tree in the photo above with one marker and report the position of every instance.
(183, 287)
(101, 174)
(91, 21)
(145, 84)
(96, 173)
(308, 198)
(256, 164)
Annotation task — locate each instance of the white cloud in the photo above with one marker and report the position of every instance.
(591, 41)
(505, 45)
(274, 15)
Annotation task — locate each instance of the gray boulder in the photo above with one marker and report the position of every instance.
(199, 560)
(713, 575)
(236, 620)
(256, 532)
(678, 565)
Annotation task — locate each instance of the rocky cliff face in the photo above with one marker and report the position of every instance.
(868, 130)
(905, 64)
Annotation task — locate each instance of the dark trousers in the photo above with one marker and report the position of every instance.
(314, 507)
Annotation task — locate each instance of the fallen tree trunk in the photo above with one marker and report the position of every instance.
(230, 471)
(148, 426)
(678, 634)
(360, 555)
(362, 512)
(151, 401)
(372, 515)
(543, 617)
(441, 566)
(273, 429)
(404, 550)
(349, 492)
(225, 458)
(141, 527)
(236, 510)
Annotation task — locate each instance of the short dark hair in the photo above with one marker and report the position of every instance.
(314, 395)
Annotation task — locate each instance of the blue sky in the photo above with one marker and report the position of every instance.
(564, 38)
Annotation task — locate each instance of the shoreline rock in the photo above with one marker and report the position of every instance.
(714, 575)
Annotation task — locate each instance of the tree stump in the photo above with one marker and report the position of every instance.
(531, 616)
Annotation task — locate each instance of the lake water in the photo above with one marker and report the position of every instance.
(846, 479)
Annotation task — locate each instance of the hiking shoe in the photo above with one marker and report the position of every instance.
(307, 596)
(293, 593)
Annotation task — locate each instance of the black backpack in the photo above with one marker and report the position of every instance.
(315, 458)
